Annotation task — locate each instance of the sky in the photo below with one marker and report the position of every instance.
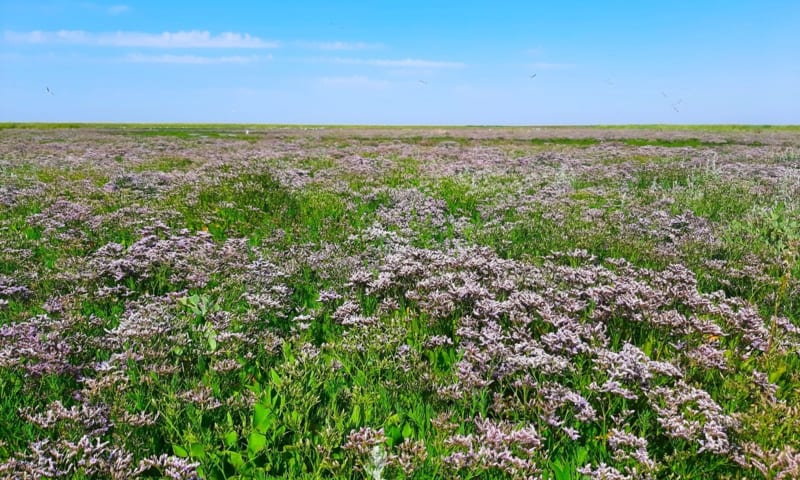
(401, 62)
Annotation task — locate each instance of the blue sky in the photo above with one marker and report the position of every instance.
(402, 62)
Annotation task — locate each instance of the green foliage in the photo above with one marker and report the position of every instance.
(672, 142)
(575, 142)
(163, 164)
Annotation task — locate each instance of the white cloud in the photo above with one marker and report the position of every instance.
(182, 39)
(193, 59)
(404, 63)
(338, 45)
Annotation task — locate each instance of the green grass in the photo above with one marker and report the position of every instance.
(684, 142)
(576, 142)
(164, 164)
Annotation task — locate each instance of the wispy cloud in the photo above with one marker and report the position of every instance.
(182, 39)
(105, 9)
(354, 81)
(338, 45)
(194, 59)
(118, 9)
(403, 63)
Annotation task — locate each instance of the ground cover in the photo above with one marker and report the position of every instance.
(190, 301)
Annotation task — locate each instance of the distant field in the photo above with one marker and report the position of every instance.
(704, 128)
(274, 301)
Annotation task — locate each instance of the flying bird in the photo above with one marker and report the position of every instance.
(675, 105)
(532, 76)
(422, 82)
(49, 92)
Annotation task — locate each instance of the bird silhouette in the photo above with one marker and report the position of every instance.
(49, 92)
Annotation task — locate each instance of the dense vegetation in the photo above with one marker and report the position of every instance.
(206, 302)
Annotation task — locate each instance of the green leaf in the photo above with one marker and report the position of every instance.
(560, 470)
(394, 434)
(179, 451)
(408, 431)
(647, 348)
(776, 374)
(295, 418)
(355, 417)
(261, 418)
(276, 378)
(235, 459)
(394, 419)
(230, 438)
(197, 450)
(581, 455)
(256, 442)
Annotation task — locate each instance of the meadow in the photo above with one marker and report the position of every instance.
(237, 302)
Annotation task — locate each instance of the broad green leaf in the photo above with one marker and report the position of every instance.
(235, 459)
(197, 450)
(230, 438)
(408, 431)
(179, 451)
(394, 434)
(261, 418)
(256, 442)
